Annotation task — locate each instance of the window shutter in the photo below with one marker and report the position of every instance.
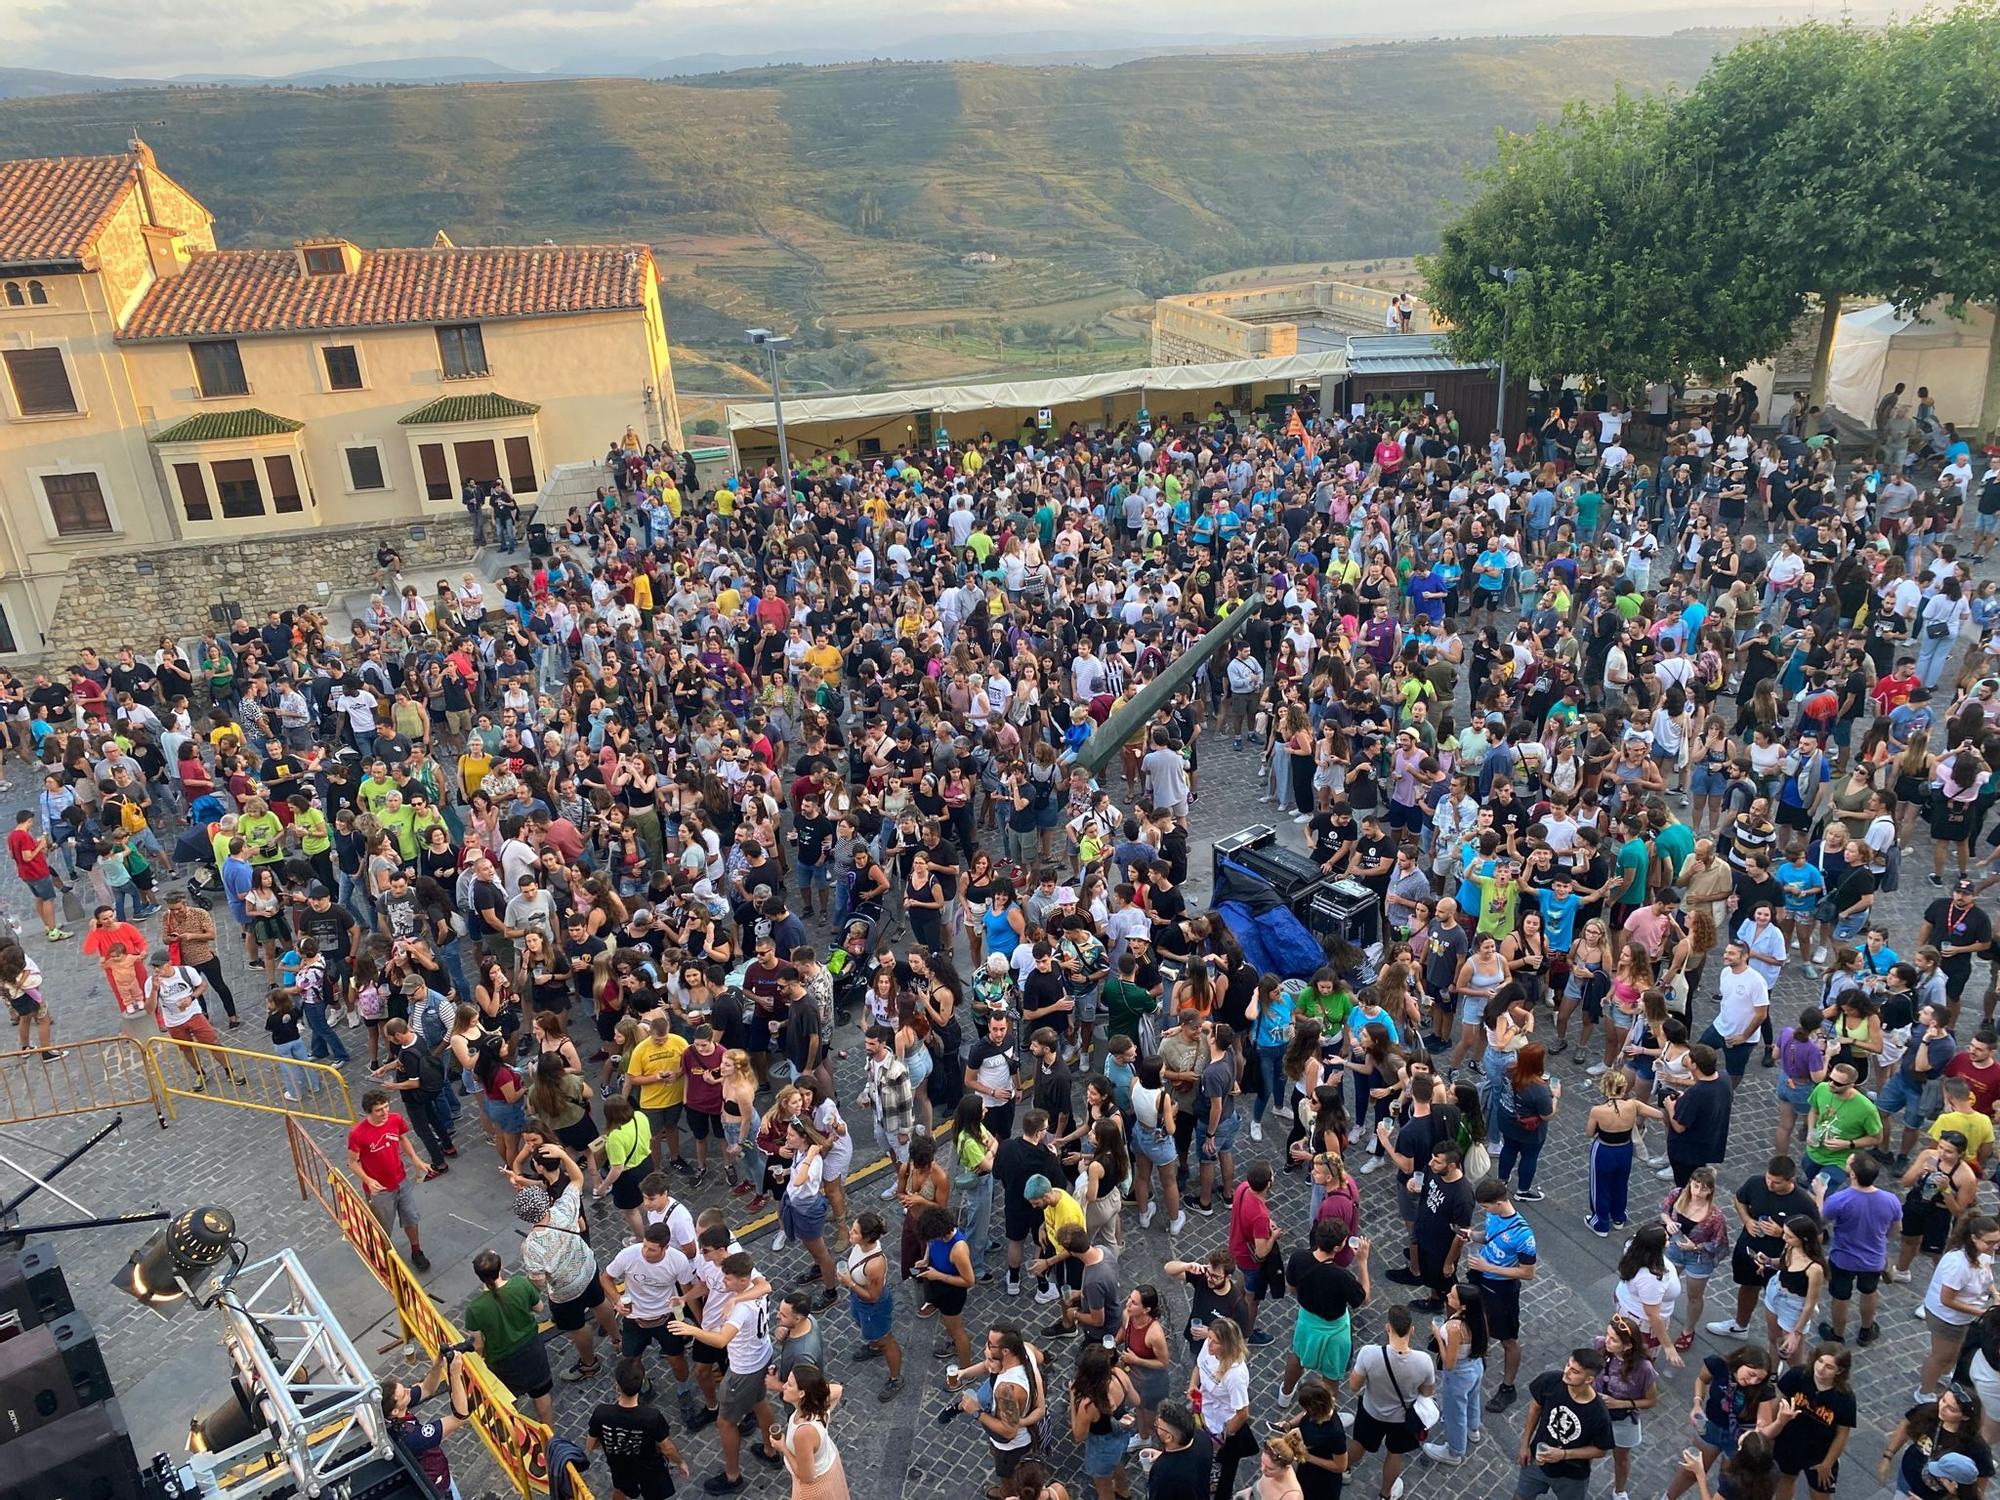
(40, 381)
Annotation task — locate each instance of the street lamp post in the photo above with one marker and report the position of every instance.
(771, 343)
(1506, 275)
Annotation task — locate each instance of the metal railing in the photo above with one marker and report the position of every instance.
(250, 1080)
(104, 1072)
(518, 1443)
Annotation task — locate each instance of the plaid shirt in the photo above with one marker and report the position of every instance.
(889, 1085)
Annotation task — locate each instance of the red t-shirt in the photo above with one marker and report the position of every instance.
(29, 861)
(380, 1148)
(1249, 1222)
(1984, 1082)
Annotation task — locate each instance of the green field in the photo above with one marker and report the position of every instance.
(828, 202)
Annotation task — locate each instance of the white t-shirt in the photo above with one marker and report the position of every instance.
(1973, 1284)
(1646, 1290)
(679, 1222)
(174, 993)
(1223, 1392)
(1742, 994)
(650, 1284)
(750, 1345)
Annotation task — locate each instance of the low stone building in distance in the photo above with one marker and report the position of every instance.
(183, 426)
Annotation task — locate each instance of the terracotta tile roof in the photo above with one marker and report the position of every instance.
(491, 407)
(220, 426)
(228, 292)
(52, 207)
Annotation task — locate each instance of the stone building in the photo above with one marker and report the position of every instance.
(183, 426)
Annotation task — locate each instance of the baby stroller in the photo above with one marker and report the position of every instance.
(194, 851)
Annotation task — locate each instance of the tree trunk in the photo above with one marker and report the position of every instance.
(1989, 405)
(1829, 324)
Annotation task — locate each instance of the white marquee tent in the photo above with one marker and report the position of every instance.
(1874, 347)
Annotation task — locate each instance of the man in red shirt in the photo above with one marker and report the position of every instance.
(1980, 1072)
(375, 1150)
(1252, 1237)
(1892, 690)
(31, 863)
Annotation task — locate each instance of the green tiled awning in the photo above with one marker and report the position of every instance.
(226, 426)
(487, 408)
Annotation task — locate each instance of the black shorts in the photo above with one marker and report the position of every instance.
(1793, 817)
(948, 1300)
(1398, 1437)
(708, 1354)
(1743, 1270)
(701, 1124)
(1503, 1308)
(1927, 1223)
(573, 1314)
(1020, 1224)
(626, 1192)
(1841, 1283)
(655, 1483)
(526, 1370)
(635, 1338)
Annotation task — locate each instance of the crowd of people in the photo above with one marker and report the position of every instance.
(1623, 725)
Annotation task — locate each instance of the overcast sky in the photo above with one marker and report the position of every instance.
(144, 38)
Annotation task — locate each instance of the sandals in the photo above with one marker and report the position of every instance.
(1684, 1340)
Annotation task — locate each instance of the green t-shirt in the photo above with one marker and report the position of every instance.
(311, 826)
(1632, 859)
(1674, 844)
(1125, 1003)
(263, 838)
(630, 1144)
(1588, 504)
(1331, 1011)
(505, 1317)
(1849, 1119)
(400, 823)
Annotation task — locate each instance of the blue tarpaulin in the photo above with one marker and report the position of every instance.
(1274, 940)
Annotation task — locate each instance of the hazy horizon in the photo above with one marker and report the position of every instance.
(142, 40)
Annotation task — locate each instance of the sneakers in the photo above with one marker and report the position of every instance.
(1595, 1070)
(1260, 1338)
(1373, 1164)
(420, 1260)
(1438, 1453)
(1502, 1399)
(1013, 1287)
(58, 934)
(1179, 1223)
(889, 1390)
(1868, 1334)
(1256, 1131)
(888, 1190)
(1049, 1293)
(1727, 1328)
(1602, 1234)
(721, 1484)
(1528, 1195)
(1206, 1210)
(1286, 1393)
(1060, 1330)
(1146, 1216)
(779, 1241)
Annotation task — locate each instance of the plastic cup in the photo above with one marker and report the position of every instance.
(951, 1376)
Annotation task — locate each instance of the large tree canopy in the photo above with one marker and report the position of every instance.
(1631, 264)
(1671, 237)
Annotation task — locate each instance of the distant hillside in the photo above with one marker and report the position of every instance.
(839, 197)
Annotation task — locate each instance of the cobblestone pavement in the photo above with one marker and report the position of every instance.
(165, 1371)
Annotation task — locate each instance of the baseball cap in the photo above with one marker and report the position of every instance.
(317, 891)
(1954, 1468)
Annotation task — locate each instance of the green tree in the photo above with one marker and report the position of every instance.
(1630, 266)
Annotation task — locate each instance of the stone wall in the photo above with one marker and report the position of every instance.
(139, 596)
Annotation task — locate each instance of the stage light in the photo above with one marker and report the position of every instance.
(162, 1270)
(233, 1420)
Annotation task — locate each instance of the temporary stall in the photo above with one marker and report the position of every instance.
(885, 422)
(1875, 347)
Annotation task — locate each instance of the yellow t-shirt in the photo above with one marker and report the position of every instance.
(1064, 1211)
(642, 591)
(823, 657)
(728, 601)
(1976, 1128)
(473, 771)
(650, 1056)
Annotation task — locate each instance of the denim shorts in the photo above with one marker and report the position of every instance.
(1709, 781)
(1154, 1144)
(1224, 1137)
(1900, 1096)
(1103, 1452)
(1798, 1093)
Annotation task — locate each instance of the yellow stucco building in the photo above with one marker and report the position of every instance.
(158, 394)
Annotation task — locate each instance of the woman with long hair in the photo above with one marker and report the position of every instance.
(1482, 976)
(501, 1094)
(1628, 1385)
(1100, 1391)
(1458, 1343)
(804, 1442)
(1697, 1242)
(1949, 1423)
(1527, 1104)
(1106, 1167)
(1219, 1386)
(1815, 1420)
(1648, 1287)
(1734, 1398)
(1961, 1289)
(1143, 1354)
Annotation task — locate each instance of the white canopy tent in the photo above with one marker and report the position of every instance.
(1874, 347)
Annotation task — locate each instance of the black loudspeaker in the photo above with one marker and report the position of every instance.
(32, 1286)
(46, 1374)
(86, 1455)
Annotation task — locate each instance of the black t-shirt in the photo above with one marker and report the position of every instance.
(329, 928)
(630, 1437)
(1369, 850)
(1970, 926)
(1214, 1082)
(1566, 1422)
(1017, 1160)
(1756, 1195)
(1182, 1475)
(1441, 1207)
(1703, 1115)
(284, 1028)
(1043, 988)
(1920, 1451)
(1323, 1440)
(1324, 1289)
(1822, 1414)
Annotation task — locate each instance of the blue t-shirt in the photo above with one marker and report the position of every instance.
(1811, 884)
(1510, 1241)
(1274, 1022)
(1559, 918)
